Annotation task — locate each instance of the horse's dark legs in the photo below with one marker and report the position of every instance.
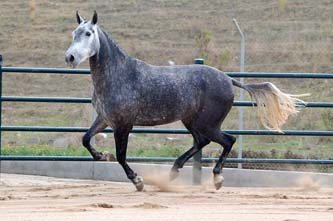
(121, 139)
(205, 127)
(199, 142)
(98, 126)
(227, 141)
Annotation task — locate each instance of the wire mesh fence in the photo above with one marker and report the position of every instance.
(324, 168)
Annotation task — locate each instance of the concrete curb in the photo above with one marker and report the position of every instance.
(112, 171)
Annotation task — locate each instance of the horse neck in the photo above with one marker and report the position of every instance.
(107, 62)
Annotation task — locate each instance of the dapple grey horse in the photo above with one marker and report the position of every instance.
(130, 92)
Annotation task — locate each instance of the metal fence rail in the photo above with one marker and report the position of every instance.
(167, 131)
(231, 74)
(157, 130)
(169, 159)
(88, 100)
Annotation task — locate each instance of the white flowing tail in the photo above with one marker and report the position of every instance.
(274, 107)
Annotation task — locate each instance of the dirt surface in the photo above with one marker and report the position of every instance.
(25, 197)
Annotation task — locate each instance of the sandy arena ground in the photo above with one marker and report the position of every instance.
(43, 198)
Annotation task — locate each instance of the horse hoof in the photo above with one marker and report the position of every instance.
(106, 156)
(110, 157)
(138, 183)
(173, 174)
(218, 181)
(139, 187)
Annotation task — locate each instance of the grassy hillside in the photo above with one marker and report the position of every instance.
(281, 36)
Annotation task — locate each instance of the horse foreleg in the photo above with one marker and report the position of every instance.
(98, 126)
(121, 139)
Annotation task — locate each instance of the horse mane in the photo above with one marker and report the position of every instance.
(113, 46)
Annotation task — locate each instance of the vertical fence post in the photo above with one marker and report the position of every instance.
(0, 109)
(197, 166)
(241, 95)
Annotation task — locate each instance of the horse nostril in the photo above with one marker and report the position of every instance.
(71, 58)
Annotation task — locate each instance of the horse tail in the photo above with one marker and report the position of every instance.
(274, 107)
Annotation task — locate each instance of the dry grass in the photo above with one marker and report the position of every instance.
(281, 36)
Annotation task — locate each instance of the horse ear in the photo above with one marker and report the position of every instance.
(78, 17)
(94, 18)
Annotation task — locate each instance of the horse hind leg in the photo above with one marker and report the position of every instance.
(209, 124)
(199, 141)
(98, 126)
(226, 141)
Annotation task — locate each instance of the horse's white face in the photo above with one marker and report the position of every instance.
(85, 41)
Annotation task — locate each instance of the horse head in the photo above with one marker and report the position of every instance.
(85, 42)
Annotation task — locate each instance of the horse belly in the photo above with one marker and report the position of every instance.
(156, 118)
(153, 122)
(162, 114)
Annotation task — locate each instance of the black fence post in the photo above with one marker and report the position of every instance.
(197, 164)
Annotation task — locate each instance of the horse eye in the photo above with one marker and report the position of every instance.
(88, 34)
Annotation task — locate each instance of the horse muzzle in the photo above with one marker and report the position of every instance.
(70, 60)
